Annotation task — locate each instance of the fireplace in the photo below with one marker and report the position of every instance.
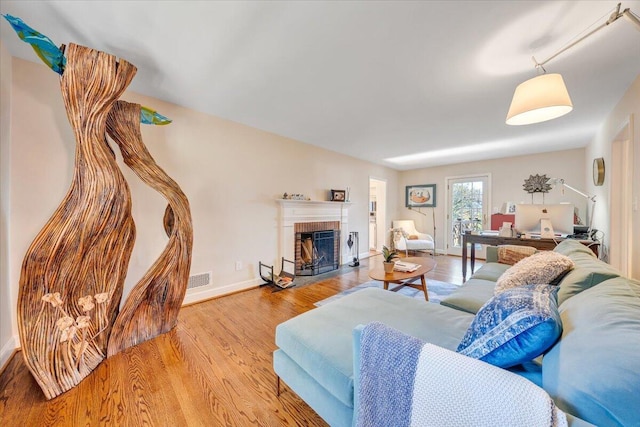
(317, 247)
(309, 216)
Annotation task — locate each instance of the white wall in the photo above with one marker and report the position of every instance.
(507, 178)
(627, 111)
(230, 172)
(7, 336)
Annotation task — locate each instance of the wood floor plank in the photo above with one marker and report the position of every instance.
(214, 369)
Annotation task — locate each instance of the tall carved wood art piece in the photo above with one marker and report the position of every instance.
(73, 274)
(72, 277)
(152, 306)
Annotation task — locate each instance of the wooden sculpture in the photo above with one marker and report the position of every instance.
(73, 273)
(152, 306)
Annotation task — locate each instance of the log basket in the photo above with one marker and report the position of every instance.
(281, 281)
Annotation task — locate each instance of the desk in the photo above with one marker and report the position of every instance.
(494, 240)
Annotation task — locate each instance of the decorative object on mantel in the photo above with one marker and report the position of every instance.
(338, 196)
(537, 184)
(73, 273)
(420, 196)
(296, 196)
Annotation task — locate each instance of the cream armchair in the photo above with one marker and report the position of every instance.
(406, 238)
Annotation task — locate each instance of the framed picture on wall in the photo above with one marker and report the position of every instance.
(421, 196)
(508, 208)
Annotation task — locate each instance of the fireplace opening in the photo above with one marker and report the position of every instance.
(317, 252)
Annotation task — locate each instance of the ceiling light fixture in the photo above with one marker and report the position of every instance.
(545, 97)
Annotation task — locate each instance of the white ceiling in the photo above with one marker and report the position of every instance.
(375, 80)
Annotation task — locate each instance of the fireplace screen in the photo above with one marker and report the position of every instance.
(317, 252)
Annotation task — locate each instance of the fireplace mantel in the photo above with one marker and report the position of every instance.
(310, 202)
(296, 211)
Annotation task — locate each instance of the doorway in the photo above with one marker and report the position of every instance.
(468, 199)
(620, 208)
(377, 213)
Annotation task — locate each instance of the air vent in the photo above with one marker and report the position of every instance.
(198, 280)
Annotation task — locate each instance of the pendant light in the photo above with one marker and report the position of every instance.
(545, 97)
(539, 99)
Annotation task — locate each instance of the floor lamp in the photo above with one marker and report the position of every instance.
(433, 212)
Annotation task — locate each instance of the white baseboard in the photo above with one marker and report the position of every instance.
(7, 351)
(195, 295)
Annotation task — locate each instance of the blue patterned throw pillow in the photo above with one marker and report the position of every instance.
(514, 326)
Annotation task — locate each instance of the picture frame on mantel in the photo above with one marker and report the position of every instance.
(338, 196)
(420, 196)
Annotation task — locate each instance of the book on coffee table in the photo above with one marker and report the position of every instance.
(405, 267)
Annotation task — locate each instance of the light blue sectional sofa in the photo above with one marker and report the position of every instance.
(592, 372)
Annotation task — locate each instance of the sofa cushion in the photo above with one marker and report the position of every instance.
(594, 370)
(490, 271)
(570, 246)
(491, 254)
(515, 326)
(511, 254)
(471, 296)
(588, 272)
(541, 267)
(333, 411)
(417, 245)
(320, 340)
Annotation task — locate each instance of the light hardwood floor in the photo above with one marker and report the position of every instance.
(213, 369)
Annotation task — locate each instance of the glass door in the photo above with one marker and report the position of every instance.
(467, 210)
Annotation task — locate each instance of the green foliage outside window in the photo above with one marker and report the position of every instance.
(466, 208)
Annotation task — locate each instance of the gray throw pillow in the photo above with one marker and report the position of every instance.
(541, 267)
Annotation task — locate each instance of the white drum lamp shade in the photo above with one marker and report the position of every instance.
(539, 99)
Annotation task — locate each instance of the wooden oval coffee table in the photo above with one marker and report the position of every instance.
(406, 279)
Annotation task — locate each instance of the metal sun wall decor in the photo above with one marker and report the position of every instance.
(72, 277)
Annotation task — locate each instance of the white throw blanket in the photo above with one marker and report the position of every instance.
(405, 382)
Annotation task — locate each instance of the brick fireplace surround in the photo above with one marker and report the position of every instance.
(310, 227)
(307, 216)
